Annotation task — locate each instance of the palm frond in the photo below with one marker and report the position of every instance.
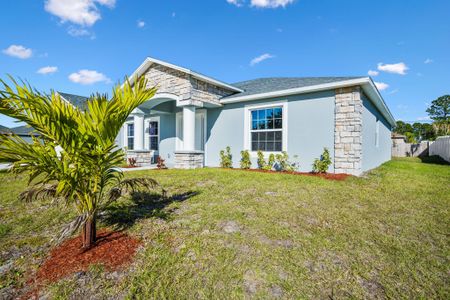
(72, 227)
(38, 192)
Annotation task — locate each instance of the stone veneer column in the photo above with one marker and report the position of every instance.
(348, 131)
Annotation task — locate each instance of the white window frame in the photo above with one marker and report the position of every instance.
(147, 132)
(126, 134)
(247, 125)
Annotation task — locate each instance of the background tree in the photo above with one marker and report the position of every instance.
(416, 132)
(439, 109)
(84, 173)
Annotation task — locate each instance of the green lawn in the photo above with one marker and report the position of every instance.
(236, 234)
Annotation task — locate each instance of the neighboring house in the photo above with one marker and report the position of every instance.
(75, 100)
(4, 130)
(26, 132)
(192, 117)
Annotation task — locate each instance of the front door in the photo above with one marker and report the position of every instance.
(200, 130)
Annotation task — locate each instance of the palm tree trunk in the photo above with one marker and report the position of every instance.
(89, 232)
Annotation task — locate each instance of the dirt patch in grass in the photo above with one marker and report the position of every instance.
(112, 250)
(329, 176)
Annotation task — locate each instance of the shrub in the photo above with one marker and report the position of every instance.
(321, 164)
(282, 161)
(226, 159)
(160, 163)
(270, 163)
(132, 162)
(261, 160)
(245, 160)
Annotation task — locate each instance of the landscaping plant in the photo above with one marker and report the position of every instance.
(270, 162)
(160, 163)
(246, 163)
(84, 174)
(261, 160)
(132, 162)
(226, 159)
(321, 164)
(282, 161)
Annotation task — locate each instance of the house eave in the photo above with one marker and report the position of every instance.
(365, 82)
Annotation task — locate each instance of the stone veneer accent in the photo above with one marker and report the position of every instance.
(348, 131)
(189, 159)
(143, 158)
(188, 88)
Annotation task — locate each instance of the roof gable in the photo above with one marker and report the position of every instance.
(149, 61)
(75, 100)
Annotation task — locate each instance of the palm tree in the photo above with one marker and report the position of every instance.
(84, 173)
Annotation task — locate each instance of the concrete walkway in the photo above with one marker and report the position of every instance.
(4, 166)
(151, 167)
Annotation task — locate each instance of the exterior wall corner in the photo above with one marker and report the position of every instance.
(348, 131)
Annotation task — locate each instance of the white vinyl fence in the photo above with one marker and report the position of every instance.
(441, 147)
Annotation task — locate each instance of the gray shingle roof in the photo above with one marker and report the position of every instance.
(78, 101)
(4, 129)
(24, 130)
(272, 84)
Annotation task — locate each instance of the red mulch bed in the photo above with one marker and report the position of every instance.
(113, 249)
(329, 176)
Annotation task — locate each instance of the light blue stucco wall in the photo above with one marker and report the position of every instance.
(167, 138)
(310, 128)
(373, 155)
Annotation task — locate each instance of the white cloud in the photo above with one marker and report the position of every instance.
(18, 51)
(393, 92)
(262, 3)
(79, 32)
(88, 77)
(398, 68)
(238, 3)
(260, 58)
(381, 85)
(428, 61)
(81, 12)
(373, 73)
(140, 24)
(47, 70)
(270, 3)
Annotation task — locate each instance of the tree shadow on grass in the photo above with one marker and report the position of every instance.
(434, 159)
(143, 205)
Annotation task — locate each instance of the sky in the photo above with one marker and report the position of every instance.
(87, 46)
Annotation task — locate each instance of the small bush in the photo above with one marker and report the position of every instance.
(160, 163)
(245, 160)
(132, 162)
(226, 159)
(321, 164)
(282, 161)
(261, 160)
(270, 163)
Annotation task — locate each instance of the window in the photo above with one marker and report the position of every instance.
(130, 136)
(153, 133)
(267, 129)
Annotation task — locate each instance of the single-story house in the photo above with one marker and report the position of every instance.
(27, 133)
(192, 117)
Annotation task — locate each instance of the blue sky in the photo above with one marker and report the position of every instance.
(85, 46)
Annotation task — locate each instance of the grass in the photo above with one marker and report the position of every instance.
(237, 234)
